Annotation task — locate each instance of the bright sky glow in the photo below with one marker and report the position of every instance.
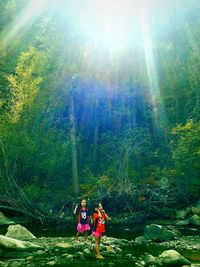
(110, 23)
(28, 15)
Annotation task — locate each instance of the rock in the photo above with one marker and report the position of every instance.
(181, 214)
(18, 245)
(197, 204)
(173, 258)
(141, 240)
(2, 264)
(4, 220)
(16, 254)
(19, 232)
(183, 222)
(64, 245)
(163, 183)
(118, 250)
(15, 264)
(152, 231)
(51, 263)
(70, 257)
(159, 233)
(87, 253)
(195, 220)
(110, 249)
(30, 258)
(196, 210)
(149, 258)
(80, 255)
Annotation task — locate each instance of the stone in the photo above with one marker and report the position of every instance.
(149, 258)
(87, 253)
(80, 254)
(173, 258)
(51, 263)
(118, 250)
(197, 204)
(183, 222)
(163, 183)
(18, 245)
(196, 210)
(195, 220)
(19, 232)
(15, 264)
(110, 249)
(70, 257)
(5, 220)
(30, 258)
(159, 233)
(63, 245)
(181, 214)
(16, 254)
(141, 240)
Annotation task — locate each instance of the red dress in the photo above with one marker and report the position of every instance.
(99, 224)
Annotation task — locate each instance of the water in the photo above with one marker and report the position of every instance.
(125, 232)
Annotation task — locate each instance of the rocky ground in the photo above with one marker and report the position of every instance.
(20, 248)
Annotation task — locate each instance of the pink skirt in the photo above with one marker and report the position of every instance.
(94, 233)
(83, 227)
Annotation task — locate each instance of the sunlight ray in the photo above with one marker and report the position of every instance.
(27, 16)
(151, 67)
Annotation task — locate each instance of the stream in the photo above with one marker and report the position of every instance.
(124, 232)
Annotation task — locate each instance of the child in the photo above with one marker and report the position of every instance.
(83, 216)
(99, 227)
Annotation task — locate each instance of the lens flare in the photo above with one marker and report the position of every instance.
(29, 14)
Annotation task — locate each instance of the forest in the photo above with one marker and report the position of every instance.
(99, 101)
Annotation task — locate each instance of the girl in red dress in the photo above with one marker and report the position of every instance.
(99, 227)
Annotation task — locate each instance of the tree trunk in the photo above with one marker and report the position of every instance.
(75, 179)
(96, 137)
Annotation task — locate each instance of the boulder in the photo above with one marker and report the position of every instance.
(197, 204)
(164, 183)
(195, 220)
(19, 232)
(148, 258)
(118, 250)
(63, 245)
(5, 220)
(196, 210)
(110, 249)
(173, 258)
(159, 233)
(183, 222)
(181, 214)
(17, 245)
(140, 240)
(87, 253)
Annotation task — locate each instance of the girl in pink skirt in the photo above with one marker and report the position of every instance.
(83, 220)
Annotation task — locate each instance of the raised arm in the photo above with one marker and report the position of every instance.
(106, 216)
(75, 209)
(99, 213)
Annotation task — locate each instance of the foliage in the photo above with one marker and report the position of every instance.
(126, 131)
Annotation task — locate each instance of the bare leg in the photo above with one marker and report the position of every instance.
(97, 240)
(86, 236)
(77, 236)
